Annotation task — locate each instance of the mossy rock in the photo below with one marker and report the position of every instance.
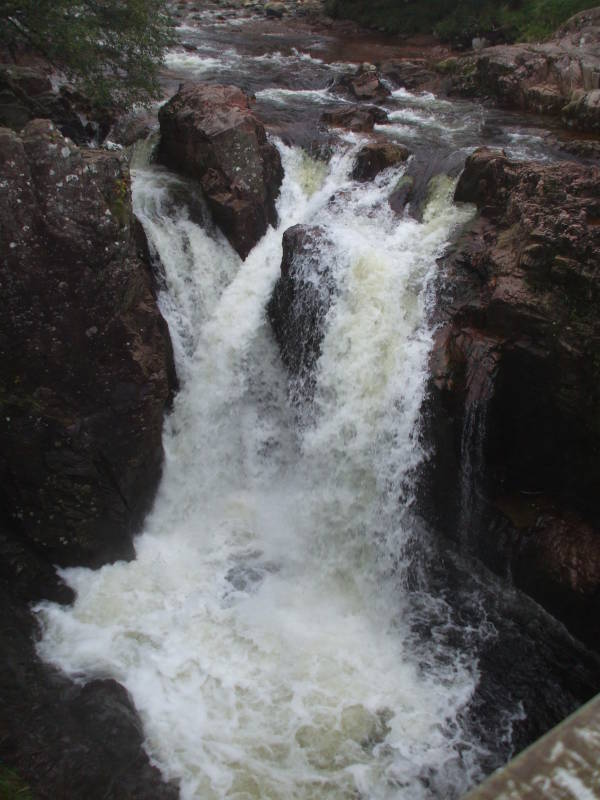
(12, 787)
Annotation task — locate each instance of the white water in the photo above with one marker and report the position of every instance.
(259, 630)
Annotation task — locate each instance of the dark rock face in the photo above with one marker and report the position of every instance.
(87, 368)
(410, 74)
(560, 77)
(64, 740)
(26, 93)
(356, 118)
(363, 85)
(374, 158)
(515, 397)
(209, 133)
(301, 300)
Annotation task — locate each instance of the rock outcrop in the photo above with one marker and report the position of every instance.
(63, 739)
(515, 395)
(301, 300)
(560, 77)
(27, 93)
(86, 376)
(87, 368)
(209, 133)
(373, 158)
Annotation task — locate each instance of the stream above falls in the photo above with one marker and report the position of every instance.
(289, 628)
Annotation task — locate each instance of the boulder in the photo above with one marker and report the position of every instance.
(411, 74)
(87, 369)
(275, 10)
(209, 133)
(514, 400)
(301, 299)
(373, 158)
(356, 118)
(363, 85)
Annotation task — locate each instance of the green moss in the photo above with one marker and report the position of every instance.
(447, 67)
(12, 787)
(120, 203)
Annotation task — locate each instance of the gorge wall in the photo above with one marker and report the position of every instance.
(514, 401)
(87, 374)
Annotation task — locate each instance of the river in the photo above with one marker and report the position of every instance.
(288, 628)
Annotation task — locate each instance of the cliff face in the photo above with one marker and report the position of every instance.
(514, 406)
(87, 368)
(86, 375)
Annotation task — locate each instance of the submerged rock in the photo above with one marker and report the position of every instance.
(515, 397)
(87, 368)
(375, 157)
(363, 85)
(209, 133)
(301, 299)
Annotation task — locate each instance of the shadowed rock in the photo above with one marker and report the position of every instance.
(301, 299)
(356, 118)
(516, 377)
(374, 158)
(87, 368)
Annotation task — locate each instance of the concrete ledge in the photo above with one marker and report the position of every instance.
(562, 765)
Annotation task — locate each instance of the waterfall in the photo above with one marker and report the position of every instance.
(479, 388)
(260, 631)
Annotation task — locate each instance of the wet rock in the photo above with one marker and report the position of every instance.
(411, 74)
(514, 401)
(131, 128)
(363, 85)
(375, 157)
(209, 133)
(87, 369)
(558, 563)
(356, 118)
(425, 166)
(301, 299)
(64, 740)
(560, 77)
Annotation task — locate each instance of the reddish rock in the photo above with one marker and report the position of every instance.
(356, 118)
(87, 368)
(374, 158)
(516, 368)
(363, 85)
(209, 133)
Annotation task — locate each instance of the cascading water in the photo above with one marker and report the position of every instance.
(255, 630)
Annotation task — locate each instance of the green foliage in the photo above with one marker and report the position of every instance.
(112, 49)
(12, 787)
(458, 21)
